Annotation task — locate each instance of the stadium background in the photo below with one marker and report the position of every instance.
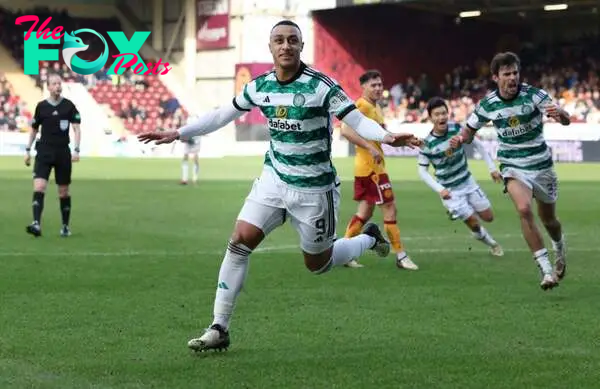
(423, 49)
(113, 305)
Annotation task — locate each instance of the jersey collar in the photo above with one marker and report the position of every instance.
(54, 103)
(295, 77)
(432, 133)
(512, 98)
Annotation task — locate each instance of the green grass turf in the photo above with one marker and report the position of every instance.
(114, 305)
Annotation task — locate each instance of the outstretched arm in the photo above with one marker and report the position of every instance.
(371, 130)
(210, 121)
(353, 137)
(363, 126)
(207, 123)
(340, 105)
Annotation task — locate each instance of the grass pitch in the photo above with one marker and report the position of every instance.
(114, 305)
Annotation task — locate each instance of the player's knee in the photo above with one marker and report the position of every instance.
(487, 216)
(246, 234)
(473, 223)
(318, 263)
(365, 211)
(524, 210)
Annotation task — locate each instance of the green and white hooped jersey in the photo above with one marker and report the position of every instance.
(451, 168)
(519, 126)
(299, 119)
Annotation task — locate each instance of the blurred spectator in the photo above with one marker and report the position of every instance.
(571, 76)
(13, 113)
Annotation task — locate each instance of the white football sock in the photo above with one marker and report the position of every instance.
(346, 249)
(231, 279)
(196, 170)
(541, 257)
(484, 237)
(184, 171)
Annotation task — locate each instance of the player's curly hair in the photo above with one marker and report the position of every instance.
(507, 58)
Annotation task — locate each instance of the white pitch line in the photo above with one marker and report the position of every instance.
(295, 248)
(282, 249)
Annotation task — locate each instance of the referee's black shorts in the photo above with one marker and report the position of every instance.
(48, 158)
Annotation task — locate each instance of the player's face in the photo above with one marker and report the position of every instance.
(439, 117)
(508, 80)
(374, 89)
(285, 46)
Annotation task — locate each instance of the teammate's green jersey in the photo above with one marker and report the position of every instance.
(451, 168)
(299, 119)
(519, 126)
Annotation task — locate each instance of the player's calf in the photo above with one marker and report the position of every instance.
(547, 214)
(481, 234)
(345, 249)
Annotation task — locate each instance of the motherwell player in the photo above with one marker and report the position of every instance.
(371, 183)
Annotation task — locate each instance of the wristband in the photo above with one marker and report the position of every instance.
(76, 149)
(28, 149)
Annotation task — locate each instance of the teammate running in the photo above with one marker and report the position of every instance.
(517, 110)
(460, 193)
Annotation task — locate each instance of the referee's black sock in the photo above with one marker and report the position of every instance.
(65, 209)
(38, 206)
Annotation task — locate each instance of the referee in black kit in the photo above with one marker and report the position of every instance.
(54, 115)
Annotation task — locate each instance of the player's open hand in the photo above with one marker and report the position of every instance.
(402, 139)
(456, 141)
(75, 157)
(553, 111)
(497, 177)
(27, 159)
(161, 137)
(445, 194)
